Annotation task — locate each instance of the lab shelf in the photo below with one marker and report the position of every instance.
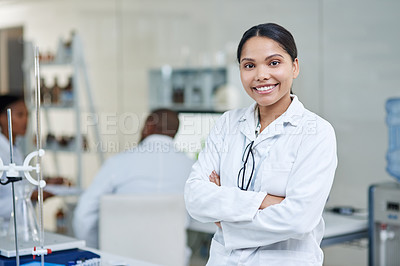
(195, 90)
(68, 62)
(63, 64)
(61, 106)
(185, 89)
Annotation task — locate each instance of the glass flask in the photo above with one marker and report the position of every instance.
(27, 226)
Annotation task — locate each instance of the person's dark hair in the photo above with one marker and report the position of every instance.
(161, 121)
(274, 32)
(7, 100)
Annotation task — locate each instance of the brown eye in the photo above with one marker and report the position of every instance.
(274, 63)
(249, 66)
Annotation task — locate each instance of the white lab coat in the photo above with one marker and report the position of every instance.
(5, 191)
(154, 166)
(298, 161)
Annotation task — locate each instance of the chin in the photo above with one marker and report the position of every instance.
(20, 134)
(266, 102)
(263, 104)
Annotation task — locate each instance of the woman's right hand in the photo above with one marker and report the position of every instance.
(270, 200)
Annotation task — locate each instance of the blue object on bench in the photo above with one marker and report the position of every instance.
(393, 122)
(65, 257)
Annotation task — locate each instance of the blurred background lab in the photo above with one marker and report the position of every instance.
(106, 64)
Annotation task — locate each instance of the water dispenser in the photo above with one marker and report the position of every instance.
(384, 199)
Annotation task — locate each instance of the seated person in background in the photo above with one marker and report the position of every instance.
(154, 166)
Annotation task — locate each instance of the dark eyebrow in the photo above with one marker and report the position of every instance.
(247, 59)
(267, 58)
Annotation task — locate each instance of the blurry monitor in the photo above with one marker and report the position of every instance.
(193, 131)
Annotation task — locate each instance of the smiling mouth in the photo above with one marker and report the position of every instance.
(266, 88)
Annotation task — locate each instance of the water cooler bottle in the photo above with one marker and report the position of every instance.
(384, 200)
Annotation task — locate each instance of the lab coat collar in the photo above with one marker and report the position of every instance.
(5, 143)
(5, 148)
(247, 122)
(292, 116)
(3, 139)
(155, 143)
(157, 138)
(294, 113)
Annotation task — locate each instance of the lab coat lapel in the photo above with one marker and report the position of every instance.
(291, 117)
(247, 123)
(274, 129)
(286, 123)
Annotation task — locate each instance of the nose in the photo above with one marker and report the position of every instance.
(263, 73)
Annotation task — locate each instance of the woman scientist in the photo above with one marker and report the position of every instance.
(19, 113)
(19, 123)
(271, 165)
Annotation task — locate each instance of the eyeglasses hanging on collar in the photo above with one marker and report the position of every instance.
(241, 180)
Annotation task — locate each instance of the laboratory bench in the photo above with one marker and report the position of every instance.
(338, 229)
(341, 228)
(65, 250)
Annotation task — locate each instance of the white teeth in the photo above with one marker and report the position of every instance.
(265, 88)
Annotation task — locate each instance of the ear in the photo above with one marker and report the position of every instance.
(151, 128)
(3, 120)
(148, 129)
(296, 68)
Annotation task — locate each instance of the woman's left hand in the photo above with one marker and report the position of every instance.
(214, 178)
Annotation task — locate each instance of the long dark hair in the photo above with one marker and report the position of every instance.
(7, 100)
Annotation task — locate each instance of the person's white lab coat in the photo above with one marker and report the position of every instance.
(154, 166)
(298, 161)
(5, 191)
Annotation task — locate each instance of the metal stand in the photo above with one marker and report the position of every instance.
(12, 180)
(13, 170)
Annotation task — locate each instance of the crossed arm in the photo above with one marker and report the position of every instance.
(269, 200)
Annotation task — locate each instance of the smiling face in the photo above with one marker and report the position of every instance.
(267, 72)
(19, 114)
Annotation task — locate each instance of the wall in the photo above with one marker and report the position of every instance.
(347, 51)
(123, 39)
(360, 72)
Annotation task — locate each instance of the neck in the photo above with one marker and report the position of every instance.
(6, 135)
(268, 114)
